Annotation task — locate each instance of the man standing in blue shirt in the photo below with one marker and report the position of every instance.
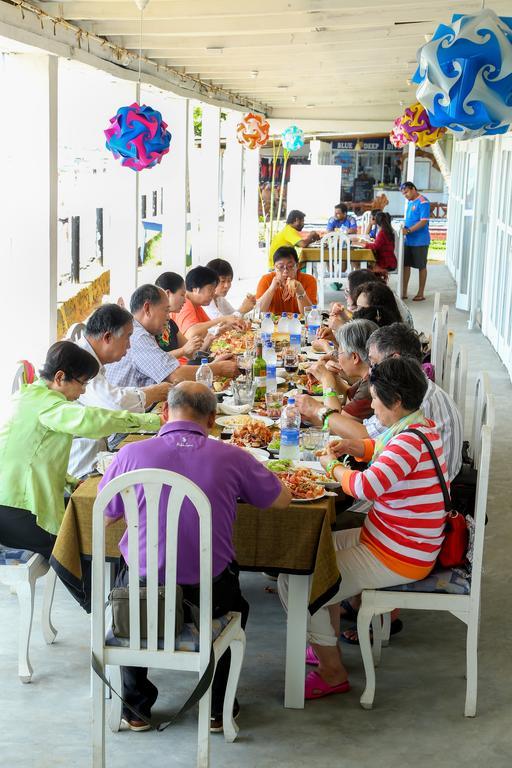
(417, 237)
(341, 220)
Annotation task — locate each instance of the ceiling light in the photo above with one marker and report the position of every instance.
(294, 99)
(253, 74)
(215, 51)
(310, 106)
(282, 87)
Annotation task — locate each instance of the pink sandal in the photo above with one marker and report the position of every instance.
(316, 687)
(311, 657)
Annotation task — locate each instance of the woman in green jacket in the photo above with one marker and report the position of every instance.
(35, 442)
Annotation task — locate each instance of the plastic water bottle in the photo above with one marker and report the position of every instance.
(314, 321)
(204, 373)
(270, 357)
(267, 327)
(295, 332)
(283, 325)
(290, 428)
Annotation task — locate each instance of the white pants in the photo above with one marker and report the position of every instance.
(359, 570)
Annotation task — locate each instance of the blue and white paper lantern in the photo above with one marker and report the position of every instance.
(292, 138)
(464, 75)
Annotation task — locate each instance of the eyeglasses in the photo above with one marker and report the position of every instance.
(79, 381)
(285, 267)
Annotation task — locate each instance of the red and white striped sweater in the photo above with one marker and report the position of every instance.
(404, 528)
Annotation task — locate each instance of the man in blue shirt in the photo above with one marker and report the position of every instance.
(417, 237)
(341, 220)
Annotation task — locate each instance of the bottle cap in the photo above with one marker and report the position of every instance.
(295, 315)
(285, 314)
(268, 344)
(267, 314)
(291, 401)
(204, 361)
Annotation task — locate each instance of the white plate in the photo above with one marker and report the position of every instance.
(281, 372)
(231, 423)
(258, 453)
(280, 380)
(317, 498)
(312, 354)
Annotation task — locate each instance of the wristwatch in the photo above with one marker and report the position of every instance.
(323, 415)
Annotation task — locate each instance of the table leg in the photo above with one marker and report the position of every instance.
(298, 593)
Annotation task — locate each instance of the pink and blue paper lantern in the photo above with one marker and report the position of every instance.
(138, 135)
(292, 138)
(464, 75)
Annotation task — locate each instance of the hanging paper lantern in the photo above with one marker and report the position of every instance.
(397, 136)
(464, 75)
(252, 131)
(416, 126)
(292, 138)
(138, 135)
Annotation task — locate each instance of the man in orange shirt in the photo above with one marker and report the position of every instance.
(286, 289)
(192, 319)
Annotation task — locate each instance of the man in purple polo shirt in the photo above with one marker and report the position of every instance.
(225, 473)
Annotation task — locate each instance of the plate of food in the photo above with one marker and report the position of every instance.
(240, 420)
(275, 445)
(235, 342)
(253, 434)
(258, 453)
(313, 354)
(221, 385)
(304, 483)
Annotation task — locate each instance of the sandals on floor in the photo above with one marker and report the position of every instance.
(396, 627)
(316, 687)
(419, 298)
(311, 657)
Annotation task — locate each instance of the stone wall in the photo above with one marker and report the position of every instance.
(80, 306)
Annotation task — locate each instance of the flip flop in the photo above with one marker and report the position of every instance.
(311, 657)
(419, 298)
(396, 627)
(316, 687)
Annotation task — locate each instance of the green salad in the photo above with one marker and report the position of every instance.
(275, 444)
(279, 465)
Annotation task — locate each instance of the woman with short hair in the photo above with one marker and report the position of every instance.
(219, 304)
(172, 339)
(402, 534)
(35, 443)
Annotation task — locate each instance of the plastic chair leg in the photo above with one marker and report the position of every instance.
(25, 591)
(49, 631)
(364, 618)
(237, 656)
(471, 666)
(203, 730)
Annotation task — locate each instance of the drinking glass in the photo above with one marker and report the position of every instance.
(313, 439)
(274, 404)
(245, 361)
(290, 360)
(243, 391)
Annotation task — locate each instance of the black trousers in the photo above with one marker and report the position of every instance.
(140, 692)
(19, 530)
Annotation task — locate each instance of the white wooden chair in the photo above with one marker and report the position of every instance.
(75, 332)
(19, 570)
(156, 652)
(398, 226)
(331, 265)
(437, 302)
(458, 379)
(465, 604)
(483, 413)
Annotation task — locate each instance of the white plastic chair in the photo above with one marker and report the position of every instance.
(364, 221)
(152, 653)
(334, 243)
(465, 607)
(398, 226)
(437, 302)
(439, 348)
(75, 332)
(483, 413)
(21, 577)
(458, 379)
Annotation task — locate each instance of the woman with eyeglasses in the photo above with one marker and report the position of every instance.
(402, 534)
(35, 443)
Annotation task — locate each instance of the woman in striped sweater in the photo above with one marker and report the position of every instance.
(403, 532)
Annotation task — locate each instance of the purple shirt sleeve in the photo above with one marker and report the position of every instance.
(259, 486)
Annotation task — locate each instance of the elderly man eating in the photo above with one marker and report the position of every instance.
(286, 289)
(145, 363)
(183, 446)
(107, 339)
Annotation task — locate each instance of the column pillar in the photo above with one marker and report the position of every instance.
(253, 260)
(175, 174)
(232, 195)
(209, 184)
(28, 200)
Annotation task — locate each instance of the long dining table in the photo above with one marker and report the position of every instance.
(296, 541)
